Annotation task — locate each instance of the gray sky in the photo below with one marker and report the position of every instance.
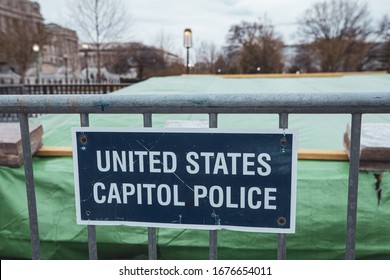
(209, 19)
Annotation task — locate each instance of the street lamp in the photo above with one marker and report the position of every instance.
(85, 48)
(35, 49)
(65, 57)
(188, 45)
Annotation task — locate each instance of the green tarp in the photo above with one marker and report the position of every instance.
(321, 190)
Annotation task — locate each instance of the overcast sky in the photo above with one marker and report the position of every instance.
(209, 19)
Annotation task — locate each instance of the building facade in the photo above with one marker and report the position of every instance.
(58, 52)
(60, 55)
(13, 11)
(18, 19)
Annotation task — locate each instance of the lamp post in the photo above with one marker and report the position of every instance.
(65, 57)
(35, 49)
(85, 48)
(188, 45)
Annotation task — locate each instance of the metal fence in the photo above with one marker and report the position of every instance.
(211, 104)
(56, 88)
(60, 88)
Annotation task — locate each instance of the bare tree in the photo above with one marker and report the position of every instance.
(337, 32)
(220, 64)
(149, 61)
(206, 55)
(384, 50)
(120, 62)
(164, 41)
(100, 21)
(254, 47)
(304, 60)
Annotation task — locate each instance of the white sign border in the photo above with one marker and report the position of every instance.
(280, 131)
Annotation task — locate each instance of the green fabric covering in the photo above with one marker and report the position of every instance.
(314, 131)
(218, 85)
(321, 199)
(320, 231)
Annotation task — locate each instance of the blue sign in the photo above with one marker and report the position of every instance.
(200, 179)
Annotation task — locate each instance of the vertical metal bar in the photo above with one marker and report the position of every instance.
(213, 234)
(152, 232)
(213, 120)
(213, 245)
(283, 120)
(92, 246)
(30, 187)
(147, 120)
(283, 123)
(282, 254)
(354, 160)
(152, 243)
(84, 120)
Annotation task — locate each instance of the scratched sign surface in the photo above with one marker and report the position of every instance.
(201, 179)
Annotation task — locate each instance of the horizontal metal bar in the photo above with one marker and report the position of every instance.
(199, 103)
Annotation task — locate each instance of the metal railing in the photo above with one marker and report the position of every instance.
(55, 88)
(59, 88)
(212, 104)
